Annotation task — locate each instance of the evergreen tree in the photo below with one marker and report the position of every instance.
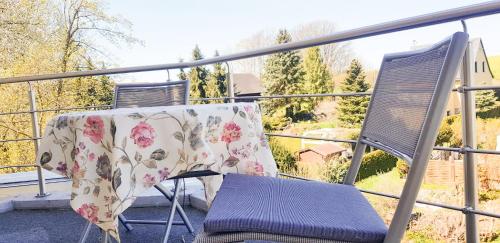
(92, 91)
(216, 86)
(352, 109)
(182, 74)
(198, 77)
(317, 79)
(485, 100)
(283, 74)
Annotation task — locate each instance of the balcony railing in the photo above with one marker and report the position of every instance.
(467, 108)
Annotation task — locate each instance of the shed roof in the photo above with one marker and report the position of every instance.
(325, 149)
(246, 83)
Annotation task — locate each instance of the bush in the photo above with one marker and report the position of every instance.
(403, 168)
(445, 134)
(275, 123)
(336, 170)
(492, 113)
(488, 195)
(284, 159)
(485, 100)
(376, 162)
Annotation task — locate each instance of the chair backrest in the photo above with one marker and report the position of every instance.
(151, 94)
(405, 112)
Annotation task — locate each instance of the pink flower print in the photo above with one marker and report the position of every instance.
(89, 211)
(76, 151)
(254, 168)
(91, 157)
(248, 108)
(62, 167)
(231, 132)
(143, 135)
(149, 180)
(164, 173)
(94, 129)
(77, 172)
(251, 113)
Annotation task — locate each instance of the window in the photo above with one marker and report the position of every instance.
(475, 67)
(483, 67)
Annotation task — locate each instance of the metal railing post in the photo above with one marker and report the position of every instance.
(230, 84)
(468, 111)
(36, 134)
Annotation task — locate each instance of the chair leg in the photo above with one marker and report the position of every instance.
(123, 221)
(85, 233)
(178, 207)
(172, 212)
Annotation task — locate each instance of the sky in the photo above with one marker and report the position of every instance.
(170, 29)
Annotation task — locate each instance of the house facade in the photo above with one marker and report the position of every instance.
(481, 75)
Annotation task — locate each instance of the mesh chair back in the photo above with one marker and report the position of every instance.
(404, 91)
(152, 94)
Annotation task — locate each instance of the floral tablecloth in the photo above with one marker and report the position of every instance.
(113, 156)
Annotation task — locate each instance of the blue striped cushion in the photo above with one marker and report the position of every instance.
(293, 207)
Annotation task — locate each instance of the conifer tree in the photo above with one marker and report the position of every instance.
(352, 109)
(217, 84)
(283, 74)
(485, 100)
(182, 74)
(317, 79)
(198, 76)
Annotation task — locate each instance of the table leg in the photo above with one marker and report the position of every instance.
(172, 212)
(85, 233)
(105, 237)
(179, 208)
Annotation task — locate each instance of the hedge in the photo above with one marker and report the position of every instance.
(284, 159)
(376, 162)
(373, 163)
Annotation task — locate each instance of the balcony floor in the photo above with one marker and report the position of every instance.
(43, 226)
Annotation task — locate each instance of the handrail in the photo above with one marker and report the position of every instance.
(351, 141)
(439, 17)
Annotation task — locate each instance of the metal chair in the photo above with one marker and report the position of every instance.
(403, 119)
(151, 94)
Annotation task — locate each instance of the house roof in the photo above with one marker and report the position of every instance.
(476, 44)
(246, 83)
(325, 149)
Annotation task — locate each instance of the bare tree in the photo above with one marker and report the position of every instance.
(337, 56)
(79, 23)
(253, 65)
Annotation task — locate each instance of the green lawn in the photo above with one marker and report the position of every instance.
(391, 183)
(387, 182)
(294, 144)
